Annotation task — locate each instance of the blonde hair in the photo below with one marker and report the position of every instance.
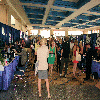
(43, 41)
(80, 43)
(76, 42)
(60, 40)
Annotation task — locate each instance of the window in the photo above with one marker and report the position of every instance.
(12, 20)
(34, 32)
(95, 31)
(58, 33)
(45, 33)
(75, 32)
(89, 32)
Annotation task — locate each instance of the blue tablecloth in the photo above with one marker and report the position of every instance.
(8, 74)
(95, 67)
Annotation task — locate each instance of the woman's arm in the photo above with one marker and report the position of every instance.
(61, 52)
(78, 50)
(49, 50)
(82, 50)
(73, 50)
(55, 53)
(73, 54)
(37, 55)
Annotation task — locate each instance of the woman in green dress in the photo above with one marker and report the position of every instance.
(52, 56)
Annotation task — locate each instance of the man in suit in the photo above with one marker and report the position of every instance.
(65, 55)
(89, 54)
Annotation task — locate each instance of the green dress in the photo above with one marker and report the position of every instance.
(51, 57)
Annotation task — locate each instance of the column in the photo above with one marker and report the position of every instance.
(66, 33)
(85, 32)
(51, 32)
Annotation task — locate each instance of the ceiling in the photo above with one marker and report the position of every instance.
(58, 14)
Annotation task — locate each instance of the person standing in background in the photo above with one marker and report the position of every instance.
(52, 56)
(42, 55)
(28, 48)
(71, 49)
(59, 55)
(75, 48)
(36, 48)
(23, 56)
(65, 55)
(89, 54)
(81, 53)
(16, 45)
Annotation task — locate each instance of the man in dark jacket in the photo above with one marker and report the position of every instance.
(28, 42)
(65, 55)
(89, 53)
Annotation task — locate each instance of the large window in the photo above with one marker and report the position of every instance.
(45, 33)
(89, 32)
(75, 32)
(34, 32)
(12, 20)
(95, 31)
(58, 33)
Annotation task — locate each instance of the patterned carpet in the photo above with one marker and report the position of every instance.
(58, 92)
(25, 88)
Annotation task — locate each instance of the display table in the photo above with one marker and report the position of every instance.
(8, 74)
(95, 67)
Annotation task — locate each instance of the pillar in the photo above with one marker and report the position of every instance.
(66, 33)
(51, 32)
(85, 32)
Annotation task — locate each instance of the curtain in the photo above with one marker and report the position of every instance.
(3, 35)
(18, 35)
(12, 33)
(0, 34)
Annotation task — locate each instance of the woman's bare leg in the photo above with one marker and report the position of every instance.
(51, 68)
(75, 66)
(74, 69)
(39, 86)
(47, 85)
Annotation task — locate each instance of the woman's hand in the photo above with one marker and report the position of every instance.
(50, 51)
(35, 53)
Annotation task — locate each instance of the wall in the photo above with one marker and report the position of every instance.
(4, 14)
(18, 25)
(5, 18)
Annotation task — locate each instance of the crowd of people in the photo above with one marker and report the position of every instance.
(50, 52)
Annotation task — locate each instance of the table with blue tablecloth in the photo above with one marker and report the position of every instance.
(95, 67)
(8, 74)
